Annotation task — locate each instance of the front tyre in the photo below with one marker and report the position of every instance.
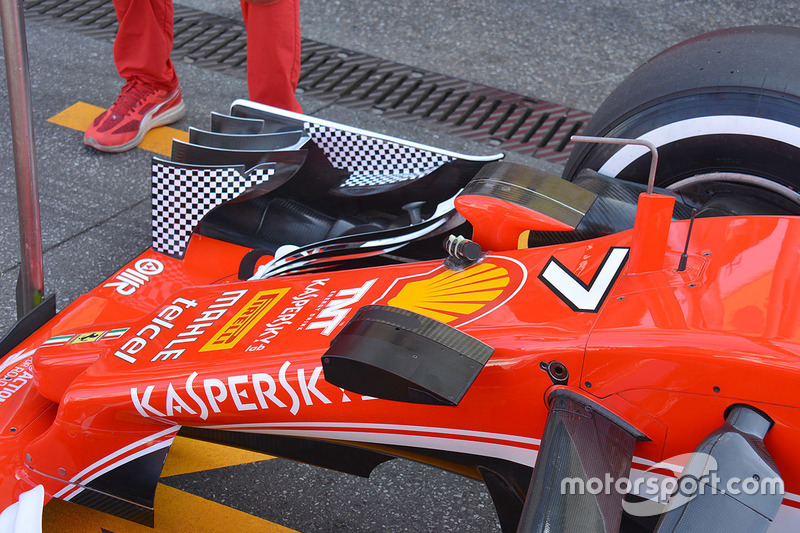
(723, 109)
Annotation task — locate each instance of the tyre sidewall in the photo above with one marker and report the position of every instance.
(748, 72)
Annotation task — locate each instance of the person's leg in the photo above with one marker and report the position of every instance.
(273, 52)
(143, 43)
(151, 95)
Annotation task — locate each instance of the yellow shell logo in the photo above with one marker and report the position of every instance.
(452, 295)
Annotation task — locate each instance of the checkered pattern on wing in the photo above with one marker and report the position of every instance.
(373, 161)
(260, 174)
(182, 195)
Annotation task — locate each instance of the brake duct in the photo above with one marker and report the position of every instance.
(581, 441)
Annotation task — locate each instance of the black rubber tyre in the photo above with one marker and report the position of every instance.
(721, 107)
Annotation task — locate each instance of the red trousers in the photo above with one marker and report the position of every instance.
(144, 42)
(273, 52)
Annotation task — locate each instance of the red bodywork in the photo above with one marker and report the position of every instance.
(185, 343)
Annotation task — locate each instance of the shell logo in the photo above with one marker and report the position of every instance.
(452, 295)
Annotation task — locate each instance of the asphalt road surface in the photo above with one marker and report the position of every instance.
(95, 207)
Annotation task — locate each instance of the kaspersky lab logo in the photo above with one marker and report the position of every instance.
(675, 489)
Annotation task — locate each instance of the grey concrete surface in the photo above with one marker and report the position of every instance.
(571, 52)
(399, 495)
(95, 207)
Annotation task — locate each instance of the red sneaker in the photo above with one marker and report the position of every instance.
(139, 108)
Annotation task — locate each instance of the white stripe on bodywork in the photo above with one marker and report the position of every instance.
(514, 454)
(395, 427)
(12, 360)
(786, 520)
(88, 474)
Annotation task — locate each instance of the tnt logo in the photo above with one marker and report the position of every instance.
(338, 307)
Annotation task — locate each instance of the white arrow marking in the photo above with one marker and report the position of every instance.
(576, 293)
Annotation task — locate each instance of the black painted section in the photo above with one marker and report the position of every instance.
(28, 324)
(128, 491)
(330, 455)
(395, 354)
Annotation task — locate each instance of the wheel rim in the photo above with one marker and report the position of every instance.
(738, 178)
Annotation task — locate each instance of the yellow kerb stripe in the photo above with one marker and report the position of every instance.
(176, 511)
(188, 455)
(80, 115)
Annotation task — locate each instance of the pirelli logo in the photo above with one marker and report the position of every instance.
(243, 321)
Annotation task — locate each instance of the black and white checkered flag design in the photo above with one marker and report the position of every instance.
(373, 161)
(183, 194)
